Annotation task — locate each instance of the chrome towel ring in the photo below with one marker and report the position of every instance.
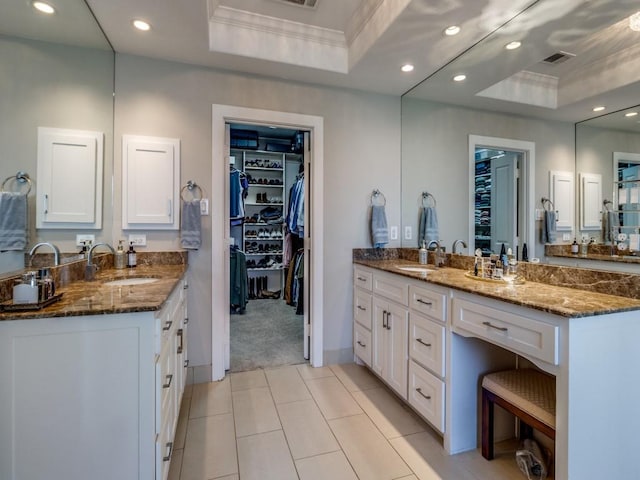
(194, 189)
(20, 178)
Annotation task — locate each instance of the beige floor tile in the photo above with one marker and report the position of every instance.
(308, 372)
(213, 398)
(306, 429)
(265, 457)
(332, 466)
(392, 417)
(246, 380)
(355, 377)
(424, 454)
(287, 385)
(254, 412)
(188, 391)
(368, 451)
(333, 399)
(228, 477)
(176, 465)
(210, 448)
(181, 428)
(410, 477)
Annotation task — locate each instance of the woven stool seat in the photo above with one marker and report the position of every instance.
(527, 393)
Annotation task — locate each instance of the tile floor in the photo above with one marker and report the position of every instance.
(298, 422)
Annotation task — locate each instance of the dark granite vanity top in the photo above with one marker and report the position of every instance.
(95, 297)
(559, 300)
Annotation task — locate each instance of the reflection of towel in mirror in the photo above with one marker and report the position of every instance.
(379, 229)
(190, 225)
(549, 227)
(610, 225)
(13, 221)
(428, 228)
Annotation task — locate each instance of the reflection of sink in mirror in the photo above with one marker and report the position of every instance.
(130, 281)
(410, 268)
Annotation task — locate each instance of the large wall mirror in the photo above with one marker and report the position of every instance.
(57, 72)
(529, 94)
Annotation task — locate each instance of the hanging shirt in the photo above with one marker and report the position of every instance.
(295, 215)
(237, 188)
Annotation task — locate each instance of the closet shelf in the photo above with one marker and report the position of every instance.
(272, 169)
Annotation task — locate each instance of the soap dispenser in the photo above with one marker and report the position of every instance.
(131, 257)
(422, 253)
(120, 257)
(574, 247)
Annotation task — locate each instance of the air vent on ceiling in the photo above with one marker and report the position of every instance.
(558, 57)
(300, 3)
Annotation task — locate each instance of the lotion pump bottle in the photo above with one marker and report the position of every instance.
(120, 260)
(131, 256)
(574, 247)
(422, 254)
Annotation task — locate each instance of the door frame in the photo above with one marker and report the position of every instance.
(527, 183)
(220, 229)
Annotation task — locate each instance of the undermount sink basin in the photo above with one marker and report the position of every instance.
(414, 269)
(131, 281)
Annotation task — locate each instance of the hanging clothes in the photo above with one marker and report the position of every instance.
(239, 280)
(295, 211)
(238, 191)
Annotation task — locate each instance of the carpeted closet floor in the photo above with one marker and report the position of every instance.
(269, 334)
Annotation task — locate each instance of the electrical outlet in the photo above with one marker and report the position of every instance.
(85, 239)
(539, 214)
(393, 233)
(204, 206)
(138, 239)
(407, 233)
(566, 237)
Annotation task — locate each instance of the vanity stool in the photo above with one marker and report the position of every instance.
(528, 394)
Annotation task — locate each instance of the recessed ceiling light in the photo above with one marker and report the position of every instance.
(43, 7)
(459, 78)
(631, 114)
(513, 45)
(599, 109)
(452, 30)
(407, 68)
(141, 25)
(634, 22)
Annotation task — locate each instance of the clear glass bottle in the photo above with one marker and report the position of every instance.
(120, 259)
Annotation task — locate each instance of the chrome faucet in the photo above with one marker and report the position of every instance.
(91, 269)
(455, 245)
(56, 252)
(437, 258)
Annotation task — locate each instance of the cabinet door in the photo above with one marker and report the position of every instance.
(395, 372)
(378, 332)
(69, 179)
(150, 183)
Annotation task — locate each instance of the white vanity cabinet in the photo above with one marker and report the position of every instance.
(91, 396)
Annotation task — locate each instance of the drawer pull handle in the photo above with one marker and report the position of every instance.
(361, 344)
(167, 325)
(419, 340)
(186, 363)
(168, 384)
(384, 319)
(168, 457)
(362, 279)
(186, 320)
(489, 324)
(360, 307)
(419, 300)
(180, 345)
(419, 390)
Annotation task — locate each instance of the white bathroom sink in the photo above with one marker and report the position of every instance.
(131, 281)
(414, 269)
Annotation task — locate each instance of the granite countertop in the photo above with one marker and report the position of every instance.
(96, 298)
(563, 301)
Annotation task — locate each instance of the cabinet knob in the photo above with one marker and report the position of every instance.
(419, 390)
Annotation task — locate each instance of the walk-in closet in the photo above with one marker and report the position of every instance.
(267, 216)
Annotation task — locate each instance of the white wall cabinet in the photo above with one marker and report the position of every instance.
(92, 396)
(590, 201)
(69, 179)
(150, 183)
(562, 193)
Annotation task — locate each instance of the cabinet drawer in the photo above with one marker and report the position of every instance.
(515, 332)
(164, 452)
(393, 287)
(362, 343)
(362, 308)
(362, 278)
(426, 343)
(429, 302)
(426, 395)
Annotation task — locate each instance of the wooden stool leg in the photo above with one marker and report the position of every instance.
(487, 425)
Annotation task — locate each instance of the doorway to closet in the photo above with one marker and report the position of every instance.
(268, 313)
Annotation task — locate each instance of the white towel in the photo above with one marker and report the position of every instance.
(13, 221)
(379, 229)
(549, 227)
(610, 225)
(190, 225)
(428, 228)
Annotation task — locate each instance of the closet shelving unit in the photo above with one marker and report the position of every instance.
(629, 211)
(482, 209)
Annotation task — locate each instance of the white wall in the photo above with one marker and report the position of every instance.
(435, 158)
(361, 152)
